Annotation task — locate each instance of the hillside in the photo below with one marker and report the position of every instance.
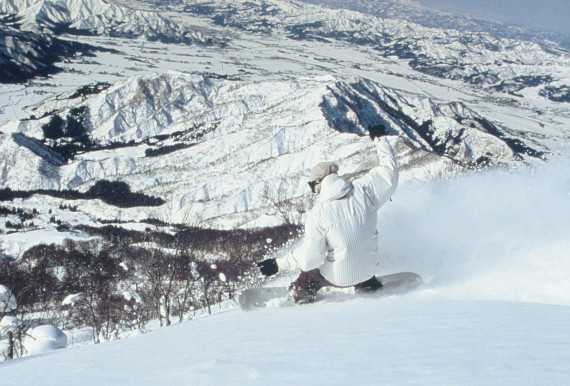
(232, 136)
(97, 17)
(494, 309)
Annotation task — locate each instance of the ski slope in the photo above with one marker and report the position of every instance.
(495, 309)
(364, 342)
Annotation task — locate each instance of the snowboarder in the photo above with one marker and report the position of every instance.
(341, 241)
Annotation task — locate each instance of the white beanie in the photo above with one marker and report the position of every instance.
(322, 170)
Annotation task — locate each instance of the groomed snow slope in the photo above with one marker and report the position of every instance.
(493, 249)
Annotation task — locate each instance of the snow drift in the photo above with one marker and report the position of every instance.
(45, 338)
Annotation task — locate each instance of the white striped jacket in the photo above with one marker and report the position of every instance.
(341, 239)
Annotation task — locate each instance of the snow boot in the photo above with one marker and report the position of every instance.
(368, 286)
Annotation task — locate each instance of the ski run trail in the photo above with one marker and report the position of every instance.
(494, 250)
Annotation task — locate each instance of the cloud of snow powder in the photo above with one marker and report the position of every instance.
(494, 235)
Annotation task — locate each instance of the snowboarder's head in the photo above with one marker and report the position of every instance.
(319, 172)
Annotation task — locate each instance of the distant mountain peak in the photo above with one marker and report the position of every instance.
(96, 17)
(478, 56)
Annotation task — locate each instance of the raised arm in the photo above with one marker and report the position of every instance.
(382, 180)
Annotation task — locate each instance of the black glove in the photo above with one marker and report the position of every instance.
(268, 267)
(377, 131)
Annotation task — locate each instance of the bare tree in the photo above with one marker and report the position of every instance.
(163, 269)
(289, 210)
(93, 271)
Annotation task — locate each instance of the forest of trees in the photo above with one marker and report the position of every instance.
(120, 280)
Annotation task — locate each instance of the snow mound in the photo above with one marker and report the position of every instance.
(398, 341)
(45, 338)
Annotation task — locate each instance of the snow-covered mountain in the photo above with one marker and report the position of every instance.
(304, 84)
(211, 146)
(97, 17)
(29, 46)
(26, 54)
(414, 12)
(478, 58)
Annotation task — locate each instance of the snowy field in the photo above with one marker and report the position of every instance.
(493, 250)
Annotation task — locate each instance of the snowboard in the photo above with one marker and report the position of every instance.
(394, 284)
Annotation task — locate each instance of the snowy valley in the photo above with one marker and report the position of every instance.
(136, 131)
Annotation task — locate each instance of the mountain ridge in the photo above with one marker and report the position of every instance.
(237, 125)
(97, 17)
(477, 58)
(432, 18)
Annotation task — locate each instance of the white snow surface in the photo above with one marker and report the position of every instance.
(393, 341)
(494, 310)
(45, 338)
